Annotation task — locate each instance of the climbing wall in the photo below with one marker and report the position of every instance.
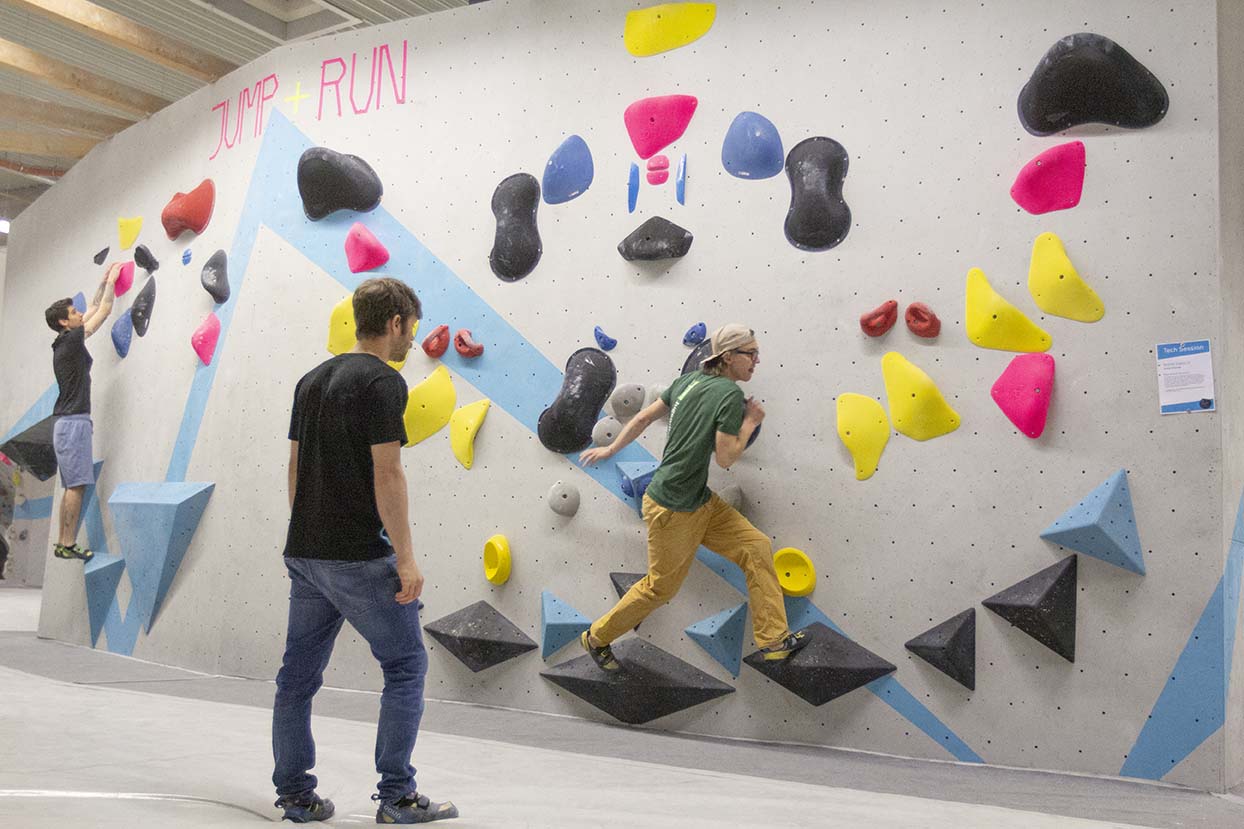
(917, 105)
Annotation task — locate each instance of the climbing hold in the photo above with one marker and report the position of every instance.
(668, 26)
(605, 430)
(633, 479)
(650, 684)
(1056, 287)
(829, 666)
(102, 574)
(950, 647)
(215, 280)
(79, 302)
(123, 333)
(516, 247)
(732, 494)
(566, 425)
(497, 559)
(465, 344)
(921, 321)
(99, 258)
(128, 230)
(632, 188)
(818, 218)
(205, 337)
(1054, 180)
(721, 636)
(992, 322)
(185, 256)
(1102, 525)
(795, 571)
(142, 307)
(659, 162)
(752, 148)
(627, 401)
(1043, 606)
(189, 211)
(656, 238)
(144, 259)
(1023, 392)
(429, 405)
(864, 429)
(364, 252)
(342, 334)
(603, 340)
(658, 177)
(1088, 78)
(697, 356)
(329, 181)
(917, 407)
(623, 582)
(560, 624)
(695, 334)
(32, 449)
(569, 171)
(479, 636)
(655, 123)
(880, 319)
(563, 499)
(125, 279)
(680, 180)
(463, 425)
(437, 343)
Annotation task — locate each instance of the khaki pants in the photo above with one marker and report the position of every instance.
(673, 538)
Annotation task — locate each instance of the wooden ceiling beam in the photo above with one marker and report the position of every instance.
(76, 81)
(45, 144)
(43, 175)
(55, 116)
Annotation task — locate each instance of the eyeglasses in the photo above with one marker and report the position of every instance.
(753, 354)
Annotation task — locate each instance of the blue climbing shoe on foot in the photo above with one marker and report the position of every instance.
(305, 808)
(413, 808)
(788, 647)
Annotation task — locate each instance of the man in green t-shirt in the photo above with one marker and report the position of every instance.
(707, 414)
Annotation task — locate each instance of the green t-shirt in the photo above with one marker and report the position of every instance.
(701, 405)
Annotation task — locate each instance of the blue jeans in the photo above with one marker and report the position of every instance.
(323, 594)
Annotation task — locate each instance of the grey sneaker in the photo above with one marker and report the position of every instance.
(413, 808)
(305, 808)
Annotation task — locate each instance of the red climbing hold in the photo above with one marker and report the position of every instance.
(466, 346)
(921, 321)
(1053, 180)
(655, 123)
(436, 343)
(881, 319)
(189, 211)
(363, 250)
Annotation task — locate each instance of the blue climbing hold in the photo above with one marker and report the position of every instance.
(753, 148)
(695, 334)
(632, 188)
(721, 636)
(123, 333)
(79, 302)
(1103, 526)
(680, 180)
(603, 340)
(185, 256)
(634, 477)
(560, 624)
(102, 574)
(569, 171)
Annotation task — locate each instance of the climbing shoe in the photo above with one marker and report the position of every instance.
(305, 808)
(75, 551)
(786, 648)
(603, 657)
(413, 808)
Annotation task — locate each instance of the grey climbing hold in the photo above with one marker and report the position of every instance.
(140, 311)
(732, 494)
(564, 498)
(656, 238)
(516, 247)
(626, 401)
(215, 277)
(605, 430)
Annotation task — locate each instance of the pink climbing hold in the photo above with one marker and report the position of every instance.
(125, 279)
(1053, 180)
(658, 176)
(655, 123)
(363, 250)
(1023, 392)
(204, 338)
(659, 162)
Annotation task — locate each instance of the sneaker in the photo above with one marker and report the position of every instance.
(413, 808)
(305, 808)
(76, 551)
(793, 643)
(603, 657)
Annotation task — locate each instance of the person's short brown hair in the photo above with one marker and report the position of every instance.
(57, 311)
(376, 301)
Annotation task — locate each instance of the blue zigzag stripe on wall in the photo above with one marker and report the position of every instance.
(33, 509)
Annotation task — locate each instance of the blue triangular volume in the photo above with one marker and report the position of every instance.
(1103, 525)
(102, 574)
(93, 517)
(154, 523)
(634, 477)
(559, 624)
(723, 567)
(721, 636)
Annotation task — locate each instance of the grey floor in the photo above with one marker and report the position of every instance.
(89, 738)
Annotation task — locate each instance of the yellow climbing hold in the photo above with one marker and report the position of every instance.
(497, 559)
(917, 408)
(429, 406)
(992, 322)
(127, 231)
(1055, 285)
(668, 26)
(795, 571)
(463, 424)
(341, 333)
(865, 429)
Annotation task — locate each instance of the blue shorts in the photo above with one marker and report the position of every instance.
(71, 438)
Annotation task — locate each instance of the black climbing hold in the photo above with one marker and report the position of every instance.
(215, 277)
(1087, 78)
(697, 356)
(140, 311)
(329, 181)
(1043, 606)
(516, 247)
(829, 666)
(144, 259)
(818, 218)
(623, 582)
(480, 636)
(651, 683)
(32, 449)
(99, 258)
(951, 648)
(566, 425)
(656, 238)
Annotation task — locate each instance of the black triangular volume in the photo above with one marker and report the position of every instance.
(480, 636)
(623, 582)
(951, 648)
(829, 666)
(1044, 607)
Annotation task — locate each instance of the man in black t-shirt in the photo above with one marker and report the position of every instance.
(72, 432)
(350, 558)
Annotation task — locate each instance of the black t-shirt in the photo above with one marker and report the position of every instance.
(341, 409)
(71, 363)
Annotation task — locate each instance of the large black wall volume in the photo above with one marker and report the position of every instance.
(566, 425)
(1088, 78)
(1043, 606)
(818, 218)
(516, 248)
(329, 181)
(144, 303)
(32, 449)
